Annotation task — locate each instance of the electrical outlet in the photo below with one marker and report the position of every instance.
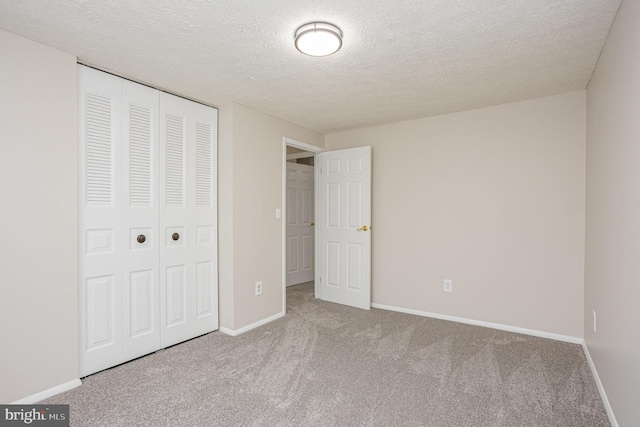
(258, 288)
(595, 322)
(448, 285)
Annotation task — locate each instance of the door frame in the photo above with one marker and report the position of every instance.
(288, 142)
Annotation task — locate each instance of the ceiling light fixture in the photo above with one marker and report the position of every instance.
(318, 39)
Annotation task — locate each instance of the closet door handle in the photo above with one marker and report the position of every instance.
(141, 238)
(175, 236)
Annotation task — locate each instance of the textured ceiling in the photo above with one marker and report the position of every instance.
(401, 59)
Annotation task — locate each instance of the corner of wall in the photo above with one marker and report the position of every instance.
(225, 217)
(611, 327)
(256, 194)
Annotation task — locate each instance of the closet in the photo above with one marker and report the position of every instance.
(147, 220)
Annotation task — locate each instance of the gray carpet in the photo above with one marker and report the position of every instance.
(325, 364)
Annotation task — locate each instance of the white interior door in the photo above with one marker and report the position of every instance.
(203, 251)
(344, 238)
(188, 279)
(140, 261)
(300, 223)
(100, 222)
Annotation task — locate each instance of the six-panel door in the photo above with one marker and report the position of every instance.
(300, 224)
(345, 221)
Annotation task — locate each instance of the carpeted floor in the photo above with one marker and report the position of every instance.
(325, 364)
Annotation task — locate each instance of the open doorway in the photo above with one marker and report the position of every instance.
(300, 217)
(299, 202)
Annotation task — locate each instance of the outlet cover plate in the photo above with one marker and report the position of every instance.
(448, 285)
(258, 288)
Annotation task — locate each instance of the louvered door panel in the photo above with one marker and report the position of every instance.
(141, 137)
(100, 146)
(141, 288)
(100, 227)
(175, 141)
(204, 165)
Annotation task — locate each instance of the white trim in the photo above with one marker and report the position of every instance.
(508, 328)
(247, 328)
(227, 331)
(603, 394)
(301, 145)
(34, 398)
(317, 162)
(302, 155)
(313, 149)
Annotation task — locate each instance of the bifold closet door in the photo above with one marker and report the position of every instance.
(147, 220)
(188, 268)
(140, 261)
(100, 220)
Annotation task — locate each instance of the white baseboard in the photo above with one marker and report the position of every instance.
(226, 331)
(34, 398)
(244, 329)
(508, 328)
(603, 394)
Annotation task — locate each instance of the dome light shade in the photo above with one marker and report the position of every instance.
(318, 39)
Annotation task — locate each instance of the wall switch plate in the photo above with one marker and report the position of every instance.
(258, 288)
(278, 213)
(595, 322)
(448, 285)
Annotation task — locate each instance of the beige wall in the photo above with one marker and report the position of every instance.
(491, 198)
(612, 277)
(255, 243)
(293, 150)
(38, 170)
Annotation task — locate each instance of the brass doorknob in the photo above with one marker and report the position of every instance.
(175, 236)
(141, 238)
(363, 228)
(312, 224)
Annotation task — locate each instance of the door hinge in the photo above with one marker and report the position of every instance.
(320, 171)
(321, 280)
